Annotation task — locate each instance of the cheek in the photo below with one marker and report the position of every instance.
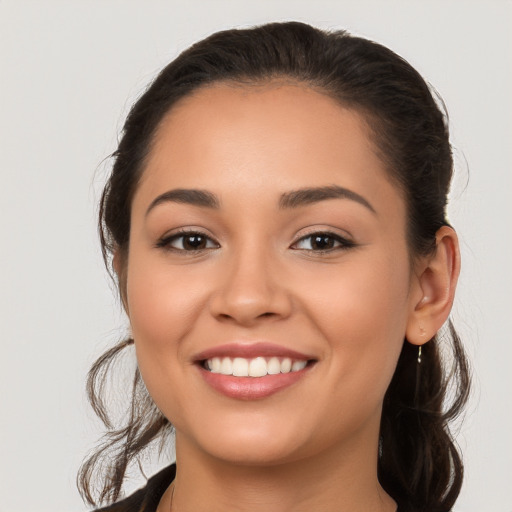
(162, 304)
(362, 311)
(163, 308)
(367, 292)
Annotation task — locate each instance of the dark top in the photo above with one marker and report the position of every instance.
(148, 498)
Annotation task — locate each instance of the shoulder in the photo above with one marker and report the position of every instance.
(147, 498)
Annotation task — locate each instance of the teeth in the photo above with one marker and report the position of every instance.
(273, 367)
(215, 364)
(257, 367)
(298, 365)
(226, 367)
(286, 365)
(240, 367)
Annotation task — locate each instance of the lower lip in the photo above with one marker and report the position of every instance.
(252, 388)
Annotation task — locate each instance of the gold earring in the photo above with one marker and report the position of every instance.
(419, 354)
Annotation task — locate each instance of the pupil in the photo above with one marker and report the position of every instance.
(322, 242)
(194, 241)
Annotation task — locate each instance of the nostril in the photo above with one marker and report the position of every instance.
(248, 306)
(226, 316)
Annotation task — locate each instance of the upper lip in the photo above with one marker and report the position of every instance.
(251, 350)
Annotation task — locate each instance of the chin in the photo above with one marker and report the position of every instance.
(255, 443)
(256, 454)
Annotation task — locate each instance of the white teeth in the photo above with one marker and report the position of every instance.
(286, 365)
(298, 365)
(257, 367)
(240, 367)
(226, 367)
(215, 364)
(273, 366)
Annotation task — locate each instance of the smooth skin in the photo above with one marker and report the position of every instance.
(257, 274)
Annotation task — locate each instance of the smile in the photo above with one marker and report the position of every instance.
(256, 367)
(252, 371)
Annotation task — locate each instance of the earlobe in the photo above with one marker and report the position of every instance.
(436, 282)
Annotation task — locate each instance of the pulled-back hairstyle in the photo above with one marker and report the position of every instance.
(418, 464)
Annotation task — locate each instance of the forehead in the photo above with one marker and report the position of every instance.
(262, 140)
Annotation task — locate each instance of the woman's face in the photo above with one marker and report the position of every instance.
(266, 234)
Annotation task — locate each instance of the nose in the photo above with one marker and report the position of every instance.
(250, 291)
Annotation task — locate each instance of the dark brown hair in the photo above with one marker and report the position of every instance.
(419, 464)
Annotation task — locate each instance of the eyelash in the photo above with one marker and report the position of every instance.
(165, 242)
(343, 243)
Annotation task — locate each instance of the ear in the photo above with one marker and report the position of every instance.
(119, 264)
(434, 288)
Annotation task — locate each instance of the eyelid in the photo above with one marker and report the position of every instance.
(323, 229)
(345, 242)
(164, 242)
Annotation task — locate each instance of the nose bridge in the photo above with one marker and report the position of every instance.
(249, 288)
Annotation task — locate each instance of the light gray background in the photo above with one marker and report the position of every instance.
(68, 72)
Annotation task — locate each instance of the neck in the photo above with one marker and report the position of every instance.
(342, 479)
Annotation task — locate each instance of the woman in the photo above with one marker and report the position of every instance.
(276, 222)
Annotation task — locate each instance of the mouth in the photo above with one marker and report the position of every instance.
(250, 372)
(254, 367)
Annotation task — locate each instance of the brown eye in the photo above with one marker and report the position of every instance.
(193, 242)
(322, 242)
(187, 241)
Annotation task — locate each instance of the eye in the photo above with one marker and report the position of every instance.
(322, 242)
(189, 241)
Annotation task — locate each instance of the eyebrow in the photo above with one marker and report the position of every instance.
(195, 197)
(293, 199)
(305, 196)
